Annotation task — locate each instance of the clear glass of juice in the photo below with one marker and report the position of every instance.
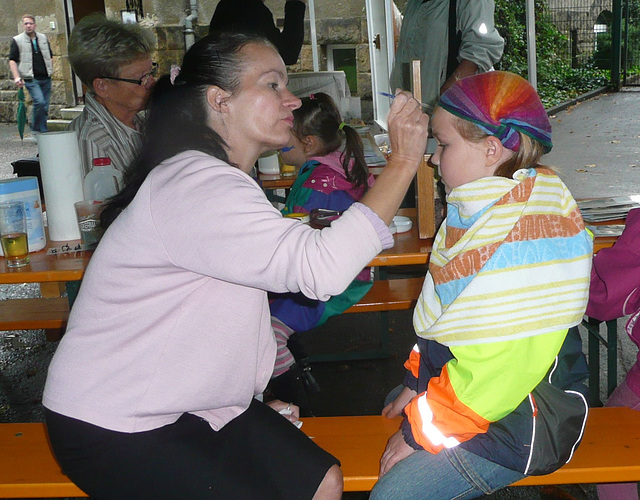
(13, 233)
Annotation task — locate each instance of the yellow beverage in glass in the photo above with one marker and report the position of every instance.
(16, 249)
(287, 170)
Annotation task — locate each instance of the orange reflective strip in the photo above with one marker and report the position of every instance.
(413, 363)
(444, 417)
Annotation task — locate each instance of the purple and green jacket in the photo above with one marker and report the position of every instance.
(321, 183)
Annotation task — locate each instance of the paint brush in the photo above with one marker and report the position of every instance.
(427, 108)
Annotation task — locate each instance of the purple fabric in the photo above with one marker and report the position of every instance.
(384, 233)
(615, 286)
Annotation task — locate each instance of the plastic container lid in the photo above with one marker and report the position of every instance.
(403, 224)
(18, 184)
(101, 162)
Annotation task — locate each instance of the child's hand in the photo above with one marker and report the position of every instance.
(397, 449)
(395, 408)
(408, 130)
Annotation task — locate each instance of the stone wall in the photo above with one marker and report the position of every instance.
(337, 22)
(341, 27)
(576, 20)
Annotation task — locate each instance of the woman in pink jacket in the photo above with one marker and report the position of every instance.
(615, 292)
(151, 392)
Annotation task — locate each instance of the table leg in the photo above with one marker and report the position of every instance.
(612, 356)
(52, 289)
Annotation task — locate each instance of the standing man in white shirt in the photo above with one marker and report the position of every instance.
(451, 38)
(31, 66)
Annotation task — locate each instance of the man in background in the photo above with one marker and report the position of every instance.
(31, 66)
(253, 16)
(451, 38)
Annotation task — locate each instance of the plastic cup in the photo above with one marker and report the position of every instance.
(88, 213)
(269, 163)
(287, 170)
(13, 233)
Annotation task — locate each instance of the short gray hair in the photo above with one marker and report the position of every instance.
(99, 47)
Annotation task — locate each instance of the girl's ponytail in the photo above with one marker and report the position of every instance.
(359, 174)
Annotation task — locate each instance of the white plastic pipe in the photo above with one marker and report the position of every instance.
(314, 35)
(531, 44)
(189, 33)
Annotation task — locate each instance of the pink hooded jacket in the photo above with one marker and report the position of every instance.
(615, 286)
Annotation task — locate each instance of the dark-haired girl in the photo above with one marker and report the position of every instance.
(332, 175)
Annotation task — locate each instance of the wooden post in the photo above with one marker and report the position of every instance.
(425, 193)
(425, 200)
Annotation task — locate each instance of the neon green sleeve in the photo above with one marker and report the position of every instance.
(493, 379)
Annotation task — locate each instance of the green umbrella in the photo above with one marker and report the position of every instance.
(21, 115)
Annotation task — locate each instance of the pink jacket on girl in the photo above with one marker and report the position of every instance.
(615, 286)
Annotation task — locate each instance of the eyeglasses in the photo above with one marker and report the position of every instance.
(142, 81)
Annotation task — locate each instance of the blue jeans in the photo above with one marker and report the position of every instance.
(40, 91)
(452, 474)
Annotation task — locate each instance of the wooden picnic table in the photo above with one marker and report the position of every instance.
(409, 249)
(54, 272)
(276, 181)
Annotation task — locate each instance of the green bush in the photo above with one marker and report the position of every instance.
(557, 80)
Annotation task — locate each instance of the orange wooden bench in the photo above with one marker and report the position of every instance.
(609, 452)
(50, 314)
(53, 313)
(27, 466)
(33, 314)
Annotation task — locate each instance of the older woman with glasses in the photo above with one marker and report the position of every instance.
(113, 60)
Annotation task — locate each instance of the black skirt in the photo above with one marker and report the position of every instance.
(258, 455)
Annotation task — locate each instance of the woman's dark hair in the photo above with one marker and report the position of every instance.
(177, 118)
(320, 116)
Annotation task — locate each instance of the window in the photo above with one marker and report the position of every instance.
(343, 58)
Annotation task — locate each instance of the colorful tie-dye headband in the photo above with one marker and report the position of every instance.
(502, 104)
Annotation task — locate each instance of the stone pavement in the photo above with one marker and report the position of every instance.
(12, 148)
(596, 145)
(596, 152)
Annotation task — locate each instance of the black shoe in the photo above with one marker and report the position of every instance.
(308, 380)
(297, 349)
(290, 388)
